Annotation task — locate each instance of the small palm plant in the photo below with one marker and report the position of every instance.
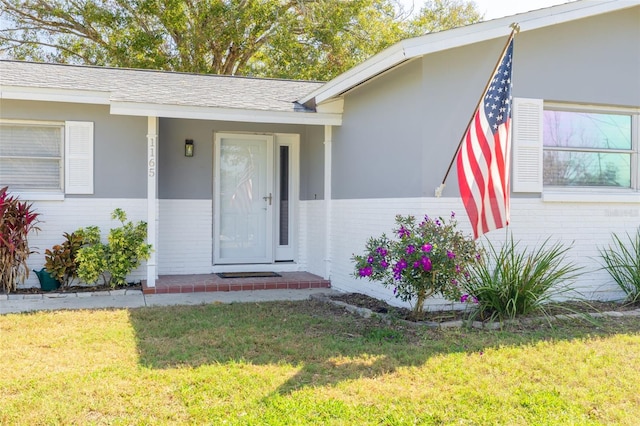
(510, 282)
(622, 261)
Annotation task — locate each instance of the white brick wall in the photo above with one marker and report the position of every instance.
(185, 243)
(586, 225)
(67, 216)
(185, 233)
(311, 237)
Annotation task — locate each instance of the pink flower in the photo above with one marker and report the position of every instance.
(366, 272)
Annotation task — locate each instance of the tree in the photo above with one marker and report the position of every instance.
(302, 39)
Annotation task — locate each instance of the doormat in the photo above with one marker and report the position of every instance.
(247, 274)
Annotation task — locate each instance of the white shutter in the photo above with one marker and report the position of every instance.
(78, 158)
(527, 145)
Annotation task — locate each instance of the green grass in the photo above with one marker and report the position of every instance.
(309, 363)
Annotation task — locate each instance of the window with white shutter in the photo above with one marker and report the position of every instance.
(46, 157)
(569, 150)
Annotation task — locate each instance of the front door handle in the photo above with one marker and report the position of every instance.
(269, 198)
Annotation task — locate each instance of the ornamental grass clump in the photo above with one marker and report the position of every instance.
(622, 261)
(509, 282)
(17, 220)
(425, 259)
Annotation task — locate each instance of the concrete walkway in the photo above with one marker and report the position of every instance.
(14, 303)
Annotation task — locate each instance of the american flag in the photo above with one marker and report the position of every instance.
(483, 159)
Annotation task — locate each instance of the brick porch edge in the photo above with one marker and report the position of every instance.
(212, 282)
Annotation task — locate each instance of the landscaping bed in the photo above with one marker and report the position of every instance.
(378, 306)
(78, 289)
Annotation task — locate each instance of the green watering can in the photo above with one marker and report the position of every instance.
(47, 282)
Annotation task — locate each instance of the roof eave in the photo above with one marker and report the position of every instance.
(224, 114)
(170, 111)
(30, 93)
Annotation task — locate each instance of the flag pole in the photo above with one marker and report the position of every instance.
(515, 29)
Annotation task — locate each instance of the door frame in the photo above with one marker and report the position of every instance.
(282, 258)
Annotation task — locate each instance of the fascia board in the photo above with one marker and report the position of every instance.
(501, 27)
(362, 72)
(54, 95)
(224, 114)
(435, 42)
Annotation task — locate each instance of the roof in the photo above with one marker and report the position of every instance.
(436, 42)
(160, 93)
(215, 97)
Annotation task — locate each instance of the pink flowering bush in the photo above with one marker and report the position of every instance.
(424, 259)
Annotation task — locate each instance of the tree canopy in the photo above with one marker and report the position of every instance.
(301, 39)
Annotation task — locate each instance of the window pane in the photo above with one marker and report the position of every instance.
(30, 156)
(283, 239)
(29, 174)
(30, 141)
(568, 168)
(586, 130)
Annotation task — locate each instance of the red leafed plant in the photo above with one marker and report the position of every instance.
(17, 220)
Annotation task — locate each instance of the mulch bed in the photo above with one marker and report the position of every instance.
(382, 307)
(78, 289)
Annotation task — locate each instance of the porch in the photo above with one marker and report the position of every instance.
(213, 282)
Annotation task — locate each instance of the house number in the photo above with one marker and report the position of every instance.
(152, 157)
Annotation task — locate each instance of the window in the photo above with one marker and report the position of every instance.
(46, 157)
(587, 149)
(575, 149)
(31, 156)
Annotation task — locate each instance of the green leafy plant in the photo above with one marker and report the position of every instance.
(60, 260)
(622, 261)
(426, 259)
(125, 249)
(509, 282)
(17, 220)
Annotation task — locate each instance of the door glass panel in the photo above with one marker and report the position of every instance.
(283, 220)
(243, 208)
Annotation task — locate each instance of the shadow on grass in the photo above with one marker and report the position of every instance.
(326, 343)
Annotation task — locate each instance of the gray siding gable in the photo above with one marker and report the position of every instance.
(401, 129)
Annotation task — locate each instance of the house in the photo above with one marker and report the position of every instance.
(295, 175)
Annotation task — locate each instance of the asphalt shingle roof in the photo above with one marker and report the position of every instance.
(165, 88)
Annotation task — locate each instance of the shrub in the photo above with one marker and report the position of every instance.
(60, 260)
(426, 259)
(508, 282)
(17, 220)
(622, 261)
(124, 251)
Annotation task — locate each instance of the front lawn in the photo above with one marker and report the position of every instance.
(309, 363)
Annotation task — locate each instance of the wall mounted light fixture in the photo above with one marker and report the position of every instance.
(188, 148)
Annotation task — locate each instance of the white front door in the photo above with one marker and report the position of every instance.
(244, 198)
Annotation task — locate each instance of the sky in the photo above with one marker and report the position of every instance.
(498, 8)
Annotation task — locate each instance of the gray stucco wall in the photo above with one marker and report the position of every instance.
(120, 143)
(180, 177)
(401, 129)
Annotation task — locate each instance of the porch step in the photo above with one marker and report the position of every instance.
(212, 282)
